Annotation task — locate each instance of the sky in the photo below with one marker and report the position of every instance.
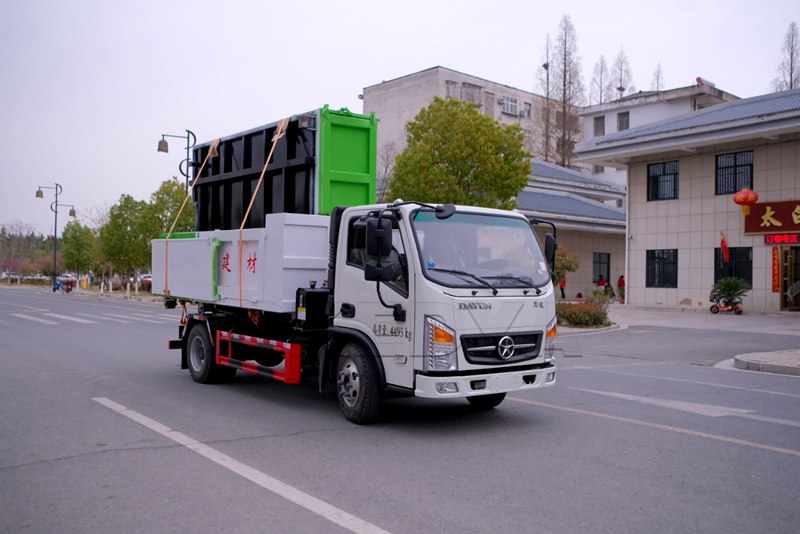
(87, 87)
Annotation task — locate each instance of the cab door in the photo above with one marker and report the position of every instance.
(358, 306)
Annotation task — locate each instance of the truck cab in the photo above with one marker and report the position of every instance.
(436, 302)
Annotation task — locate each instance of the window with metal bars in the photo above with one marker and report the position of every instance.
(662, 181)
(600, 126)
(601, 266)
(740, 264)
(662, 268)
(734, 172)
(623, 120)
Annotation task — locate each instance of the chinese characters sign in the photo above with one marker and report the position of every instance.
(773, 217)
(776, 270)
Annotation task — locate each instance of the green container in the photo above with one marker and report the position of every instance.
(347, 160)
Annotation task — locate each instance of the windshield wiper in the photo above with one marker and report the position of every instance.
(465, 273)
(527, 281)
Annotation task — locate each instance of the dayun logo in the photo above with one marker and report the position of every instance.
(474, 306)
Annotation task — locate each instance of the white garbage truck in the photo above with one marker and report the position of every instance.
(375, 301)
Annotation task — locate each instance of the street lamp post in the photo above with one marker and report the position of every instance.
(163, 146)
(54, 209)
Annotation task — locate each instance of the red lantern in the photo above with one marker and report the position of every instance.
(745, 198)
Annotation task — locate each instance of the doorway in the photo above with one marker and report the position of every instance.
(790, 278)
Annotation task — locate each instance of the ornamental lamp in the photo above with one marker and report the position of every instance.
(745, 198)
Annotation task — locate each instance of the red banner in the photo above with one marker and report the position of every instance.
(773, 217)
(776, 270)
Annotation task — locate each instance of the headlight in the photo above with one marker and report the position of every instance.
(550, 341)
(440, 347)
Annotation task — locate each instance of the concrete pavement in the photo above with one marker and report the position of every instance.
(780, 362)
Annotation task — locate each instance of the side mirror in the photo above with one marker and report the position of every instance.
(550, 247)
(379, 237)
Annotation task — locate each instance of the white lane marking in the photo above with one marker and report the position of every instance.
(692, 381)
(598, 367)
(68, 318)
(659, 426)
(103, 318)
(173, 317)
(766, 419)
(134, 318)
(709, 410)
(154, 317)
(328, 511)
(37, 319)
(643, 332)
(691, 407)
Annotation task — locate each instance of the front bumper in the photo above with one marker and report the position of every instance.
(484, 384)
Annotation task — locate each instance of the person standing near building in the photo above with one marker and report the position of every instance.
(601, 282)
(563, 285)
(621, 285)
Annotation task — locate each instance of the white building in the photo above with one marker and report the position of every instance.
(682, 175)
(396, 102)
(642, 108)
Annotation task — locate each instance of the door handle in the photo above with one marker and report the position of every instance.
(348, 310)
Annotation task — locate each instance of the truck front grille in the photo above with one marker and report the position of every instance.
(482, 349)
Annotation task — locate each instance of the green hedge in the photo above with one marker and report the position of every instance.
(591, 312)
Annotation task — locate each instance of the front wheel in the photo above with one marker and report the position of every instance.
(714, 309)
(486, 402)
(738, 310)
(358, 385)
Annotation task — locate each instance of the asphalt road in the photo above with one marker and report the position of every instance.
(101, 431)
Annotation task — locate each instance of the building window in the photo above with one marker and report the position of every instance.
(526, 109)
(662, 268)
(600, 126)
(597, 169)
(471, 93)
(740, 264)
(601, 263)
(509, 105)
(623, 120)
(734, 172)
(453, 89)
(662, 181)
(526, 141)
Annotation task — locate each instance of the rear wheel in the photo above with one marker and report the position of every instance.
(200, 354)
(714, 309)
(358, 385)
(486, 402)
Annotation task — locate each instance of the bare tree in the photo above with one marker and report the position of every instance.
(600, 90)
(544, 119)
(621, 76)
(658, 79)
(789, 67)
(568, 91)
(386, 158)
(97, 216)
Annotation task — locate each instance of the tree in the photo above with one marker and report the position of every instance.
(544, 120)
(567, 91)
(565, 262)
(658, 79)
(789, 67)
(386, 161)
(78, 249)
(621, 77)
(455, 154)
(600, 89)
(160, 213)
(123, 241)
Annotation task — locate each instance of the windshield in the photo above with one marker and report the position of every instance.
(470, 249)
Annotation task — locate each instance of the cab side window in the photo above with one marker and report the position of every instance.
(395, 264)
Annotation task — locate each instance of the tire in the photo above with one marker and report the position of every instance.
(486, 402)
(738, 310)
(714, 309)
(200, 355)
(358, 385)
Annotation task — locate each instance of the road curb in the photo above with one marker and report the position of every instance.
(742, 362)
(566, 331)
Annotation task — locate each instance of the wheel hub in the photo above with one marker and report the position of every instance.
(349, 383)
(197, 354)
